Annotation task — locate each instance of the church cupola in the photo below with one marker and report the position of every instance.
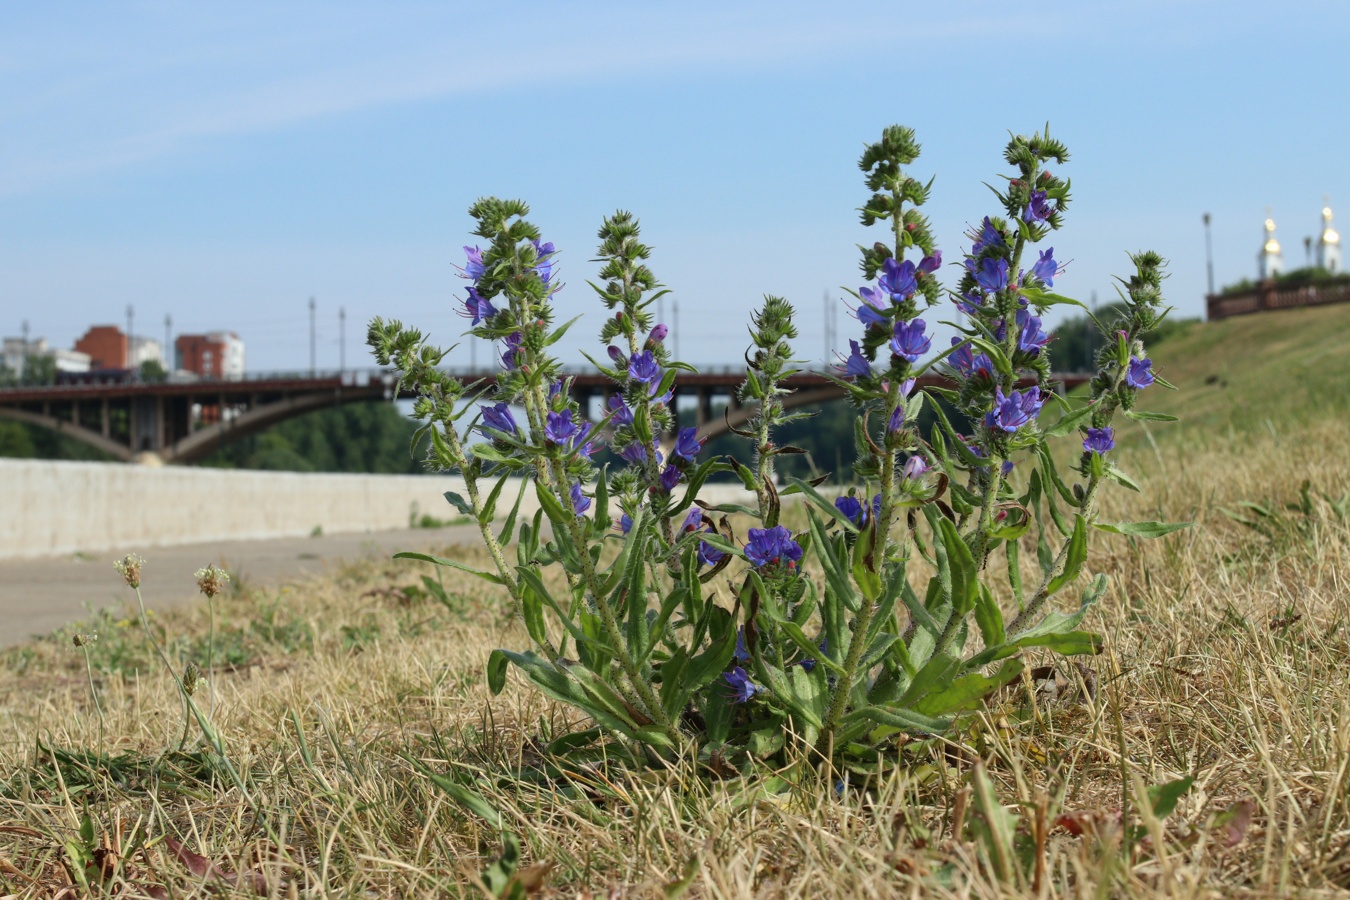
(1269, 261)
(1329, 245)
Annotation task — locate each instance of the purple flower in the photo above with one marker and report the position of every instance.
(742, 688)
(477, 307)
(474, 267)
(1099, 440)
(962, 359)
(616, 355)
(693, 521)
(1046, 268)
(873, 309)
(897, 420)
(687, 444)
(634, 453)
(625, 523)
(852, 509)
(909, 341)
(554, 389)
(670, 476)
(1007, 467)
(543, 260)
(930, 264)
(580, 502)
(579, 442)
(857, 365)
(1032, 338)
(708, 555)
(898, 279)
(989, 236)
(498, 418)
(915, 467)
(1038, 208)
(969, 302)
(768, 546)
(1140, 373)
(658, 334)
(1013, 411)
(643, 368)
(559, 427)
(741, 654)
(622, 415)
(993, 275)
(512, 351)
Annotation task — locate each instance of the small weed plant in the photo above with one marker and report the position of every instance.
(679, 633)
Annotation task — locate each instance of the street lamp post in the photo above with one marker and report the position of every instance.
(342, 339)
(313, 370)
(1209, 256)
(131, 315)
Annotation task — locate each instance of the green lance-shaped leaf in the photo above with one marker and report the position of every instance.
(966, 691)
(1055, 631)
(1074, 557)
(961, 564)
(450, 563)
(459, 503)
(1071, 421)
(1142, 529)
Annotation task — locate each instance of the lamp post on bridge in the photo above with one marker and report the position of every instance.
(313, 371)
(131, 315)
(1209, 256)
(342, 339)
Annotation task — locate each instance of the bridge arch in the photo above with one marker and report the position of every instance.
(69, 429)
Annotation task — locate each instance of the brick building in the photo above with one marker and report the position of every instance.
(218, 354)
(106, 346)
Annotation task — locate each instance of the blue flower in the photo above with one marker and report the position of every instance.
(898, 279)
(622, 415)
(616, 355)
(670, 476)
(989, 236)
(909, 341)
(1038, 208)
(625, 523)
(687, 444)
(474, 267)
(477, 307)
(741, 654)
(1099, 440)
(1013, 411)
(768, 546)
(930, 264)
(543, 260)
(742, 688)
(498, 418)
(852, 509)
(872, 311)
(658, 334)
(993, 275)
(693, 520)
(897, 419)
(559, 427)
(1046, 268)
(1140, 373)
(512, 351)
(580, 502)
(857, 365)
(1032, 338)
(579, 442)
(708, 555)
(643, 368)
(915, 467)
(635, 453)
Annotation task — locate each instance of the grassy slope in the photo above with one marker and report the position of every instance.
(1270, 370)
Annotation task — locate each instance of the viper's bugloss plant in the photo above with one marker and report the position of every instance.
(678, 634)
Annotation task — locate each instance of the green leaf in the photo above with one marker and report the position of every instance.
(460, 504)
(966, 691)
(1070, 421)
(897, 717)
(1163, 798)
(471, 800)
(451, 563)
(989, 617)
(1074, 557)
(496, 671)
(561, 330)
(1149, 416)
(965, 582)
(1142, 529)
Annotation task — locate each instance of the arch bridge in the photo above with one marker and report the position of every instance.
(185, 421)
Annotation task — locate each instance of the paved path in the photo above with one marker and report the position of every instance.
(40, 595)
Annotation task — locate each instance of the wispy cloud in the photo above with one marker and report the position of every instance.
(121, 90)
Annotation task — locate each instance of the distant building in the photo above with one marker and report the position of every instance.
(106, 346)
(143, 350)
(1329, 245)
(218, 354)
(16, 355)
(1269, 262)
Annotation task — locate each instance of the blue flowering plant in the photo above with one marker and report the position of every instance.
(716, 631)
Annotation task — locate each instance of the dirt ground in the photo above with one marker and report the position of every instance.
(40, 595)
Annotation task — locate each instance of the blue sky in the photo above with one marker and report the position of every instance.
(223, 163)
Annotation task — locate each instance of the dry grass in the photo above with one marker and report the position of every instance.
(1227, 661)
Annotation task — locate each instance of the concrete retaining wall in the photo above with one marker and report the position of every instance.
(52, 508)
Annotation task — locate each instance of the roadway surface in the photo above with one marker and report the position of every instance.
(38, 596)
